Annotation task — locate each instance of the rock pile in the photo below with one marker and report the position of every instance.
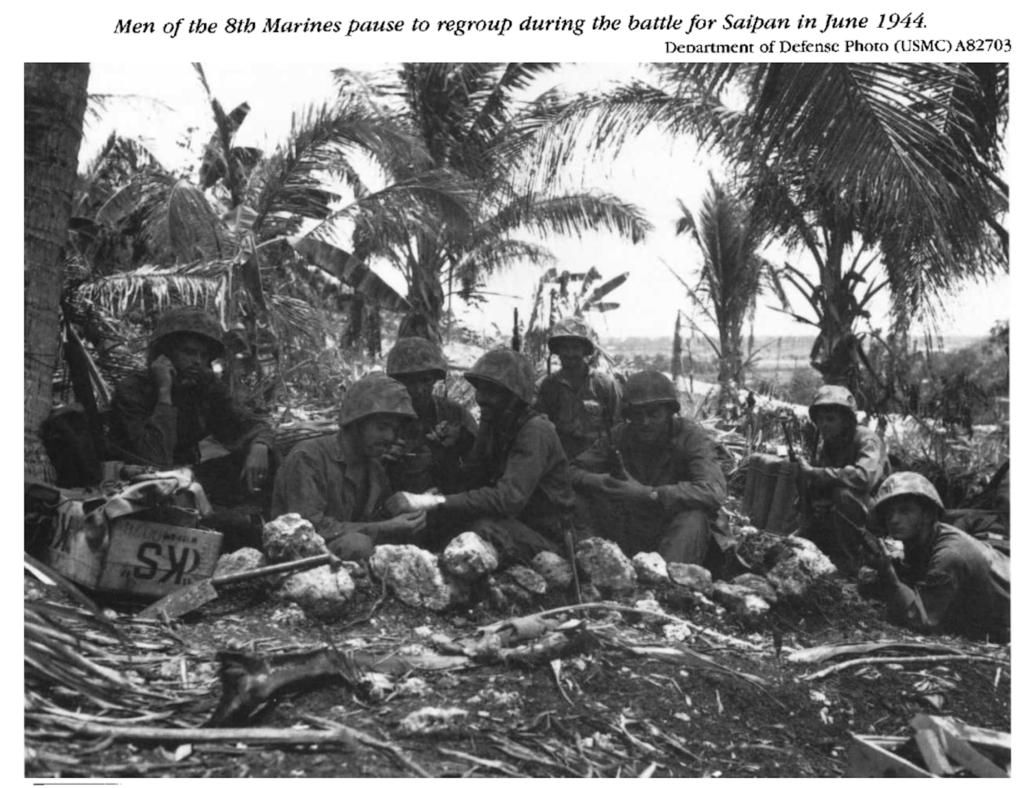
(467, 570)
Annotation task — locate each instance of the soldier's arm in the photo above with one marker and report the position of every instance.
(530, 457)
(703, 483)
(923, 606)
(863, 475)
(144, 434)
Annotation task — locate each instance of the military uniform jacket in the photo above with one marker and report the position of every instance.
(859, 464)
(144, 431)
(324, 482)
(427, 463)
(522, 473)
(683, 472)
(955, 584)
(582, 416)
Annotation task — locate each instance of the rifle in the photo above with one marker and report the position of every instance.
(801, 483)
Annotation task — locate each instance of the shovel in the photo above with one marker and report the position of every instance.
(192, 597)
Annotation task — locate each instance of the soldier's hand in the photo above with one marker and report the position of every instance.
(405, 502)
(405, 524)
(878, 558)
(395, 452)
(626, 490)
(444, 433)
(163, 372)
(256, 470)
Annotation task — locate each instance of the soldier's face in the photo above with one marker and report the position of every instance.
(493, 400)
(571, 353)
(830, 423)
(650, 423)
(420, 387)
(191, 358)
(906, 519)
(375, 434)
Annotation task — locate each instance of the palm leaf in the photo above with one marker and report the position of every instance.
(353, 271)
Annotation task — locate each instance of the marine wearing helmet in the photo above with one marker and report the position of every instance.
(337, 481)
(581, 402)
(160, 415)
(949, 581)
(654, 483)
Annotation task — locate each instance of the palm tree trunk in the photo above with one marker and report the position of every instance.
(55, 99)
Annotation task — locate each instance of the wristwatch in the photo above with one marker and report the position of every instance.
(654, 495)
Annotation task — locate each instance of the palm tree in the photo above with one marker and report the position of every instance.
(469, 118)
(902, 157)
(731, 276)
(55, 99)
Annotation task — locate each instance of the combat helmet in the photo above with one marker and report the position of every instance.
(506, 368)
(649, 387)
(572, 328)
(908, 483)
(189, 320)
(373, 394)
(413, 355)
(833, 397)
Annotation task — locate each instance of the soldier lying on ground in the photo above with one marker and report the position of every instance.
(337, 481)
(159, 416)
(581, 402)
(655, 485)
(430, 451)
(519, 496)
(851, 464)
(949, 581)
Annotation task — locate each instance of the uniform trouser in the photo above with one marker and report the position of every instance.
(838, 522)
(684, 537)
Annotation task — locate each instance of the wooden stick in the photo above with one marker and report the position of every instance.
(363, 738)
(188, 735)
(902, 660)
(625, 609)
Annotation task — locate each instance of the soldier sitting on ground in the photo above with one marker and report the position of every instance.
(851, 464)
(583, 404)
(337, 481)
(949, 582)
(655, 485)
(430, 451)
(519, 497)
(159, 416)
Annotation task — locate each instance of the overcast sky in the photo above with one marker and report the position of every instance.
(652, 172)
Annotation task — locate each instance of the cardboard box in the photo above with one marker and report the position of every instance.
(130, 555)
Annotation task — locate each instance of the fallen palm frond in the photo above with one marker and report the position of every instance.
(822, 653)
(904, 661)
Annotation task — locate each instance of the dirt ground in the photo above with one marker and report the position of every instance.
(601, 711)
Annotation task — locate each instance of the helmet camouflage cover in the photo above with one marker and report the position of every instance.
(572, 328)
(413, 355)
(649, 387)
(506, 368)
(833, 397)
(908, 483)
(374, 394)
(189, 320)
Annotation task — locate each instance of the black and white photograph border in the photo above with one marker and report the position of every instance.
(753, 231)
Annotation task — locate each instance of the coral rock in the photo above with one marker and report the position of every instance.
(239, 561)
(605, 565)
(322, 592)
(554, 569)
(692, 576)
(468, 557)
(650, 568)
(413, 574)
(289, 538)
